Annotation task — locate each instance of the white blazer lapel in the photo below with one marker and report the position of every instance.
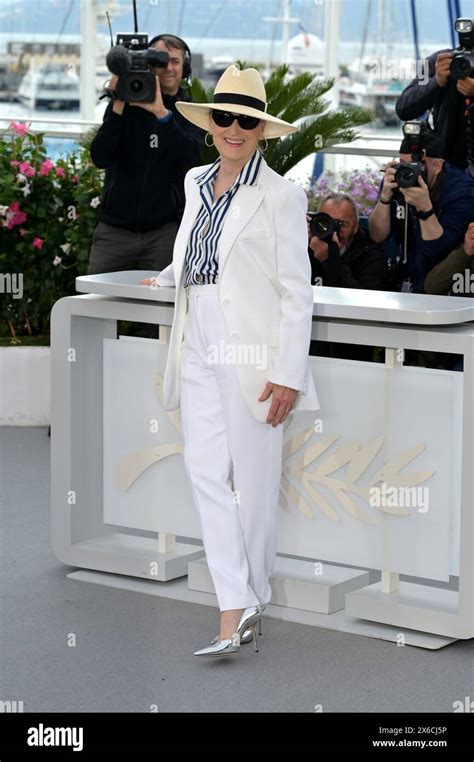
(242, 208)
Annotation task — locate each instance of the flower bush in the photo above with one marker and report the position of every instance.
(363, 187)
(48, 212)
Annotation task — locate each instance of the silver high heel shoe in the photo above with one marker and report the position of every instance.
(247, 634)
(248, 621)
(222, 647)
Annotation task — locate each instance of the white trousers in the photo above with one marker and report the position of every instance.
(233, 461)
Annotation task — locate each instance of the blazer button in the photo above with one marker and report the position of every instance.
(198, 277)
(234, 336)
(226, 300)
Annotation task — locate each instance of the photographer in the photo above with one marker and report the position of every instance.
(451, 100)
(455, 274)
(426, 221)
(146, 150)
(348, 258)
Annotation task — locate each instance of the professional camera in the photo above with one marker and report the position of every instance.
(130, 59)
(407, 173)
(462, 65)
(323, 226)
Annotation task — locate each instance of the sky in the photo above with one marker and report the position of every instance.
(234, 18)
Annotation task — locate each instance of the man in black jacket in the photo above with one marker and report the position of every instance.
(451, 102)
(352, 259)
(146, 150)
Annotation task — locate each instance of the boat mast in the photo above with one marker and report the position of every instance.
(365, 34)
(332, 18)
(88, 59)
(285, 21)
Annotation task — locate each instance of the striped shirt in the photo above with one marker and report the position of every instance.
(202, 251)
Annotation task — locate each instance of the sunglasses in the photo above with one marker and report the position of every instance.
(225, 119)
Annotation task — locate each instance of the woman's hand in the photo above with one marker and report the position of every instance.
(282, 402)
(153, 282)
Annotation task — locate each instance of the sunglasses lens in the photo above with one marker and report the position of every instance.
(248, 122)
(225, 119)
(222, 118)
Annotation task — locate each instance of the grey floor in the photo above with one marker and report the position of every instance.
(68, 646)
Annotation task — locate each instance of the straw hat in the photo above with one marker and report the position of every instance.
(241, 92)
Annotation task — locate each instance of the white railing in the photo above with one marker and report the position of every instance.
(365, 145)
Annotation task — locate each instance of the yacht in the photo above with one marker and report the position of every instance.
(369, 84)
(52, 85)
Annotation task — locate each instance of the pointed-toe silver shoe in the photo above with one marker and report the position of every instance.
(222, 647)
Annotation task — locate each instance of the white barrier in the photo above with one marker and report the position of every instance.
(381, 480)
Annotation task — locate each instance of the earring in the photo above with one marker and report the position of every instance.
(266, 146)
(209, 145)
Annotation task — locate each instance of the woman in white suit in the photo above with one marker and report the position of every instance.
(238, 356)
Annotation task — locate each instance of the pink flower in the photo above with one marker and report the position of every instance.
(26, 169)
(14, 215)
(22, 231)
(46, 167)
(57, 260)
(95, 202)
(60, 171)
(74, 178)
(38, 243)
(14, 163)
(19, 127)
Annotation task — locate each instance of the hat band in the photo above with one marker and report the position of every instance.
(240, 100)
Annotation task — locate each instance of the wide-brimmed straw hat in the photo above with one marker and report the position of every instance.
(241, 92)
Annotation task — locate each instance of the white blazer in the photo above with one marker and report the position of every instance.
(264, 287)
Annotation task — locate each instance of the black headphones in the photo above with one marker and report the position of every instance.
(187, 53)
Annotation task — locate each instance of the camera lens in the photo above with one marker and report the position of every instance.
(405, 177)
(136, 86)
(322, 225)
(461, 67)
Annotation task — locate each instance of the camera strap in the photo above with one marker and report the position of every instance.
(468, 116)
(405, 236)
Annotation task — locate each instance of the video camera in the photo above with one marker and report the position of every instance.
(462, 65)
(130, 59)
(407, 173)
(323, 226)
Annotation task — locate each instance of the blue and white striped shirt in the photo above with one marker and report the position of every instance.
(202, 251)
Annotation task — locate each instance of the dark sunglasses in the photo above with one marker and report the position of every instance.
(225, 119)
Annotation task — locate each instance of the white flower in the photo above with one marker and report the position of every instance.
(60, 219)
(65, 247)
(57, 259)
(95, 202)
(56, 184)
(3, 210)
(26, 189)
(21, 178)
